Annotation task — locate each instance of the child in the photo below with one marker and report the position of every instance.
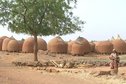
(115, 59)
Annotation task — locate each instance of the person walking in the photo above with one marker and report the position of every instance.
(114, 62)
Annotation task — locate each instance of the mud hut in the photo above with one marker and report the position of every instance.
(1, 41)
(57, 45)
(13, 46)
(104, 47)
(92, 46)
(119, 45)
(80, 47)
(42, 45)
(69, 48)
(28, 45)
(5, 43)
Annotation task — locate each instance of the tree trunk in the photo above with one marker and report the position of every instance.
(35, 48)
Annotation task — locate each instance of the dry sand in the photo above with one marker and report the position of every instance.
(9, 74)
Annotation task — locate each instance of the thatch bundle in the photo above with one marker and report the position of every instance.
(119, 45)
(5, 43)
(92, 45)
(57, 45)
(13, 46)
(12, 38)
(42, 45)
(80, 47)
(69, 48)
(28, 45)
(1, 41)
(104, 47)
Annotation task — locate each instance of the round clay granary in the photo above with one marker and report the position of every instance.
(42, 45)
(13, 46)
(28, 45)
(57, 45)
(80, 47)
(1, 41)
(5, 43)
(119, 45)
(104, 47)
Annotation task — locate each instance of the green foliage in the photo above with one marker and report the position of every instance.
(40, 17)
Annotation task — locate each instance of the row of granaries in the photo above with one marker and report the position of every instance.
(80, 46)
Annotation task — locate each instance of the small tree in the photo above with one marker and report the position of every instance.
(39, 17)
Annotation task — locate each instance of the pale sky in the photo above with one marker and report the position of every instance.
(104, 19)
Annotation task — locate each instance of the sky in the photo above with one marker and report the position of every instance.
(104, 19)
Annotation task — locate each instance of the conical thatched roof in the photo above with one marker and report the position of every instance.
(112, 38)
(118, 37)
(12, 38)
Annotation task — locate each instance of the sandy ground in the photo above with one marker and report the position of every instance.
(9, 74)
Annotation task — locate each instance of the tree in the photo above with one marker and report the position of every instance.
(39, 17)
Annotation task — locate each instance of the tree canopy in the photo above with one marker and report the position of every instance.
(39, 17)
